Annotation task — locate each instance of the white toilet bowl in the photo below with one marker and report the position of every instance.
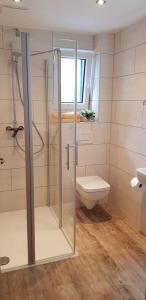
(91, 189)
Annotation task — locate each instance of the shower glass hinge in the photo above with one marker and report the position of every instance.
(4, 260)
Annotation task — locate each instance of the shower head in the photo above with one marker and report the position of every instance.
(17, 32)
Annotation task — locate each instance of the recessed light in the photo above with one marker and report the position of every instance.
(100, 2)
(17, 1)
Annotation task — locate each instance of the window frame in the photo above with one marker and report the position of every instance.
(88, 56)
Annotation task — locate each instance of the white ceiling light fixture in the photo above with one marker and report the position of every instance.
(100, 2)
(17, 1)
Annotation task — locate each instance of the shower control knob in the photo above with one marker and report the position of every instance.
(2, 161)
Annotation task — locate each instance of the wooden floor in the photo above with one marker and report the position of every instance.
(111, 265)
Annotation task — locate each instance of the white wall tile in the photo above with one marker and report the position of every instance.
(106, 86)
(5, 66)
(133, 35)
(80, 171)
(41, 158)
(104, 43)
(39, 111)
(121, 181)
(106, 65)
(6, 112)
(40, 176)
(140, 64)
(85, 42)
(131, 138)
(38, 88)
(6, 139)
(1, 37)
(126, 207)
(125, 200)
(5, 87)
(43, 131)
(124, 62)
(100, 133)
(144, 116)
(40, 40)
(18, 179)
(9, 37)
(91, 154)
(127, 112)
(117, 42)
(38, 65)
(104, 111)
(13, 158)
(130, 87)
(84, 132)
(12, 200)
(5, 180)
(126, 160)
(127, 150)
(41, 196)
(98, 170)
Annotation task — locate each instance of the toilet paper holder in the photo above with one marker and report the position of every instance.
(136, 184)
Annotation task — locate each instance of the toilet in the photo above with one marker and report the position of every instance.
(91, 189)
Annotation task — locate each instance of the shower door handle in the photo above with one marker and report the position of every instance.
(68, 156)
(76, 154)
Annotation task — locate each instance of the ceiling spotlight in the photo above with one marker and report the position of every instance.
(100, 2)
(17, 1)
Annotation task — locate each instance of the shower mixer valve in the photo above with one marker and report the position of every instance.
(14, 130)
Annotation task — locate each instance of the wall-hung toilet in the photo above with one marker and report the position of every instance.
(91, 189)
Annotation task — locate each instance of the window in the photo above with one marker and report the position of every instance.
(84, 72)
(68, 79)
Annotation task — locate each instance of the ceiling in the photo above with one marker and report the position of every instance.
(82, 16)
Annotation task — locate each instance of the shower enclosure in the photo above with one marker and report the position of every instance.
(37, 213)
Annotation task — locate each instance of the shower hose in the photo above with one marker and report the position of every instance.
(33, 123)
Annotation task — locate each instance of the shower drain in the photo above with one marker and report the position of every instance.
(4, 260)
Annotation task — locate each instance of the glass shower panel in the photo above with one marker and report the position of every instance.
(54, 129)
(50, 240)
(13, 207)
(68, 121)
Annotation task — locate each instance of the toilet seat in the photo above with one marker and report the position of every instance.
(91, 184)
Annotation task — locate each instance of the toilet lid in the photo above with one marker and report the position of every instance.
(92, 184)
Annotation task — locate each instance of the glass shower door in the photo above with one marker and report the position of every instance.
(69, 156)
(51, 241)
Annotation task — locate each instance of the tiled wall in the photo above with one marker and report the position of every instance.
(94, 137)
(101, 104)
(93, 155)
(128, 128)
(12, 173)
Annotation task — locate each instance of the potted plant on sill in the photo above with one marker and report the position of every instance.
(87, 115)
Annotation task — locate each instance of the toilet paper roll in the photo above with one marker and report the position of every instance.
(136, 184)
